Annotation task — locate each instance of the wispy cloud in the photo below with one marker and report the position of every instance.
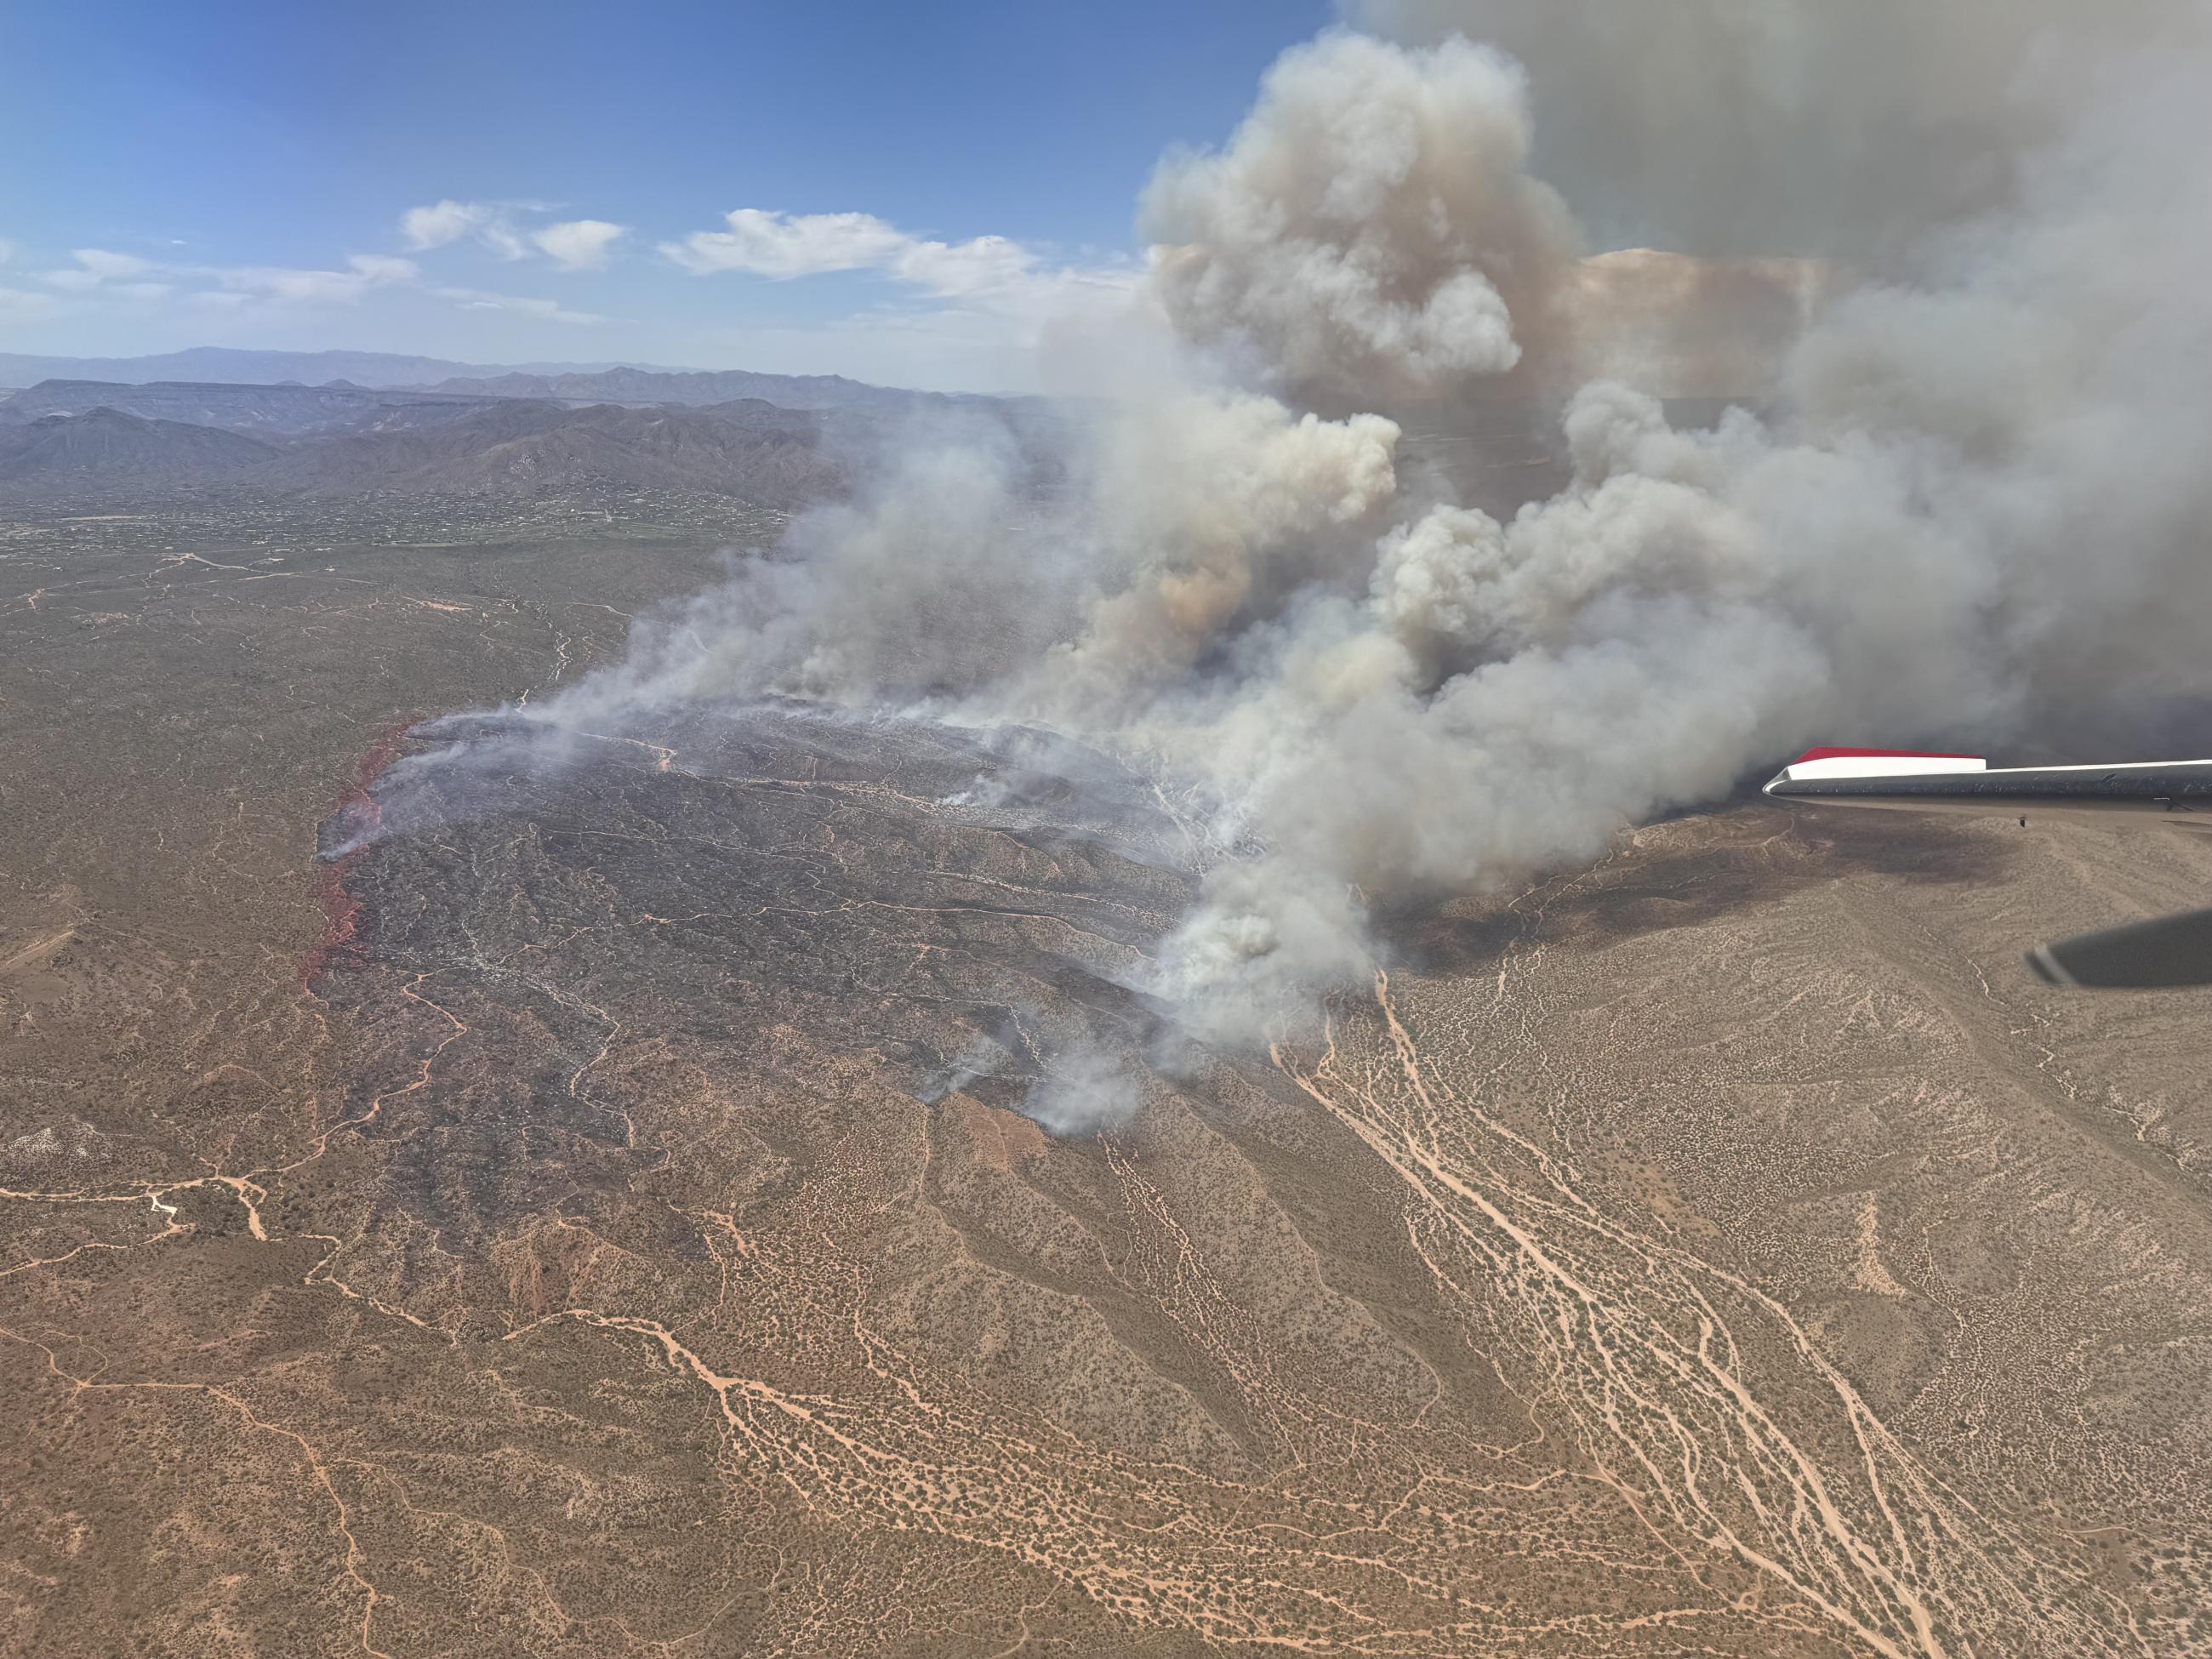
(976, 308)
(578, 244)
(551, 311)
(96, 265)
(982, 265)
(504, 227)
(784, 246)
(21, 305)
(363, 271)
(134, 277)
(442, 223)
(7, 250)
(102, 272)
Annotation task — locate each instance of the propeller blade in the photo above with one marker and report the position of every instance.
(2165, 950)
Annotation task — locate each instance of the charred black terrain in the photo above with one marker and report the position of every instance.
(947, 908)
(475, 1187)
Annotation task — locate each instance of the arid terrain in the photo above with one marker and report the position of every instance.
(590, 1217)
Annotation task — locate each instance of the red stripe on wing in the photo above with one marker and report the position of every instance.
(1876, 754)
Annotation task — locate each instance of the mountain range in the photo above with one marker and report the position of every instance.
(334, 421)
(615, 383)
(751, 451)
(280, 411)
(223, 363)
(700, 387)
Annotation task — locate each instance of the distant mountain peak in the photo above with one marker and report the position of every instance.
(354, 371)
(233, 366)
(109, 442)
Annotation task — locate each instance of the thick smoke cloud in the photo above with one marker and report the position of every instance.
(1975, 510)
(1372, 229)
(1839, 129)
(1973, 518)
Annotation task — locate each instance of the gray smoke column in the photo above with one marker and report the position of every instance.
(1975, 508)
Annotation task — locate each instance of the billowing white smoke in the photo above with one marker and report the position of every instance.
(1980, 499)
(1371, 231)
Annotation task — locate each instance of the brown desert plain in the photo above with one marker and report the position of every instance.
(577, 1223)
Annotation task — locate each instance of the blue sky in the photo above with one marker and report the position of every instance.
(241, 173)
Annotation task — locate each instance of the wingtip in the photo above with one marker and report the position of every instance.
(2050, 969)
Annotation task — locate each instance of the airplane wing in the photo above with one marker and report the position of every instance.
(1890, 777)
(2167, 950)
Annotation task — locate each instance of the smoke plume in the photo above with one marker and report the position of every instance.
(1749, 128)
(1972, 510)
(1372, 230)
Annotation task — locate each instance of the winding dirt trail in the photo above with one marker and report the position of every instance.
(1679, 1378)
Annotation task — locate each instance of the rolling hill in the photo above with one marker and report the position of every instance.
(111, 445)
(271, 411)
(751, 452)
(521, 445)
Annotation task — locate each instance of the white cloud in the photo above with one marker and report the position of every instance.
(504, 239)
(784, 246)
(96, 265)
(426, 227)
(364, 271)
(383, 268)
(985, 307)
(503, 227)
(580, 244)
(443, 223)
(983, 265)
(551, 311)
(130, 276)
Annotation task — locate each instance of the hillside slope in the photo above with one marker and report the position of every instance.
(111, 444)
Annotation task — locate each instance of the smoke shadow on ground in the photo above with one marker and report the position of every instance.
(1702, 868)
